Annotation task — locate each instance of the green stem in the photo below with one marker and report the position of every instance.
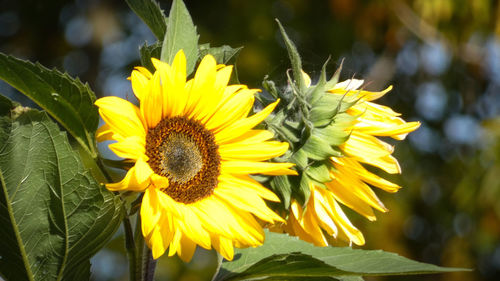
(101, 166)
(149, 265)
(134, 269)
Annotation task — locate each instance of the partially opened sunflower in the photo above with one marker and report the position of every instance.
(351, 182)
(194, 148)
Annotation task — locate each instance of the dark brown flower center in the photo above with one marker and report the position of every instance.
(185, 152)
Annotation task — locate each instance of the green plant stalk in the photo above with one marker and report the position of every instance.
(132, 246)
(134, 266)
(149, 264)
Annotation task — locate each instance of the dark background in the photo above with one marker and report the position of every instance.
(443, 58)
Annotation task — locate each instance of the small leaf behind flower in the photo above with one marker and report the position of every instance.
(66, 99)
(223, 55)
(54, 215)
(150, 51)
(150, 12)
(181, 34)
(283, 257)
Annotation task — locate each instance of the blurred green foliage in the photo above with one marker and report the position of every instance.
(443, 57)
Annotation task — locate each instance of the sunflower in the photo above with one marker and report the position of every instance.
(323, 217)
(194, 148)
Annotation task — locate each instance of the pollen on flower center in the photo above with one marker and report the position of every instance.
(185, 152)
(181, 159)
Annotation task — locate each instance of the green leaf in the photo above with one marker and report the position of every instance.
(294, 59)
(181, 34)
(150, 51)
(286, 257)
(54, 215)
(223, 55)
(66, 99)
(5, 105)
(292, 265)
(150, 12)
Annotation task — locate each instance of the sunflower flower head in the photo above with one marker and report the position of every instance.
(194, 148)
(332, 129)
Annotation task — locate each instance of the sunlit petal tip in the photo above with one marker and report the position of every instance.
(144, 71)
(104, 133)
(157, 63)
(208, 62)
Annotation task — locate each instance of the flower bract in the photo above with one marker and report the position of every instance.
(194, 148)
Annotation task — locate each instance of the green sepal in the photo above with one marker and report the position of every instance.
(181, 35)
(317, 91)
(301, 188)
(294, 59)
(150, 51)
(317, 148)
(335, 78)
(328, 106)
(277, 124)
(319, 172)
(270, 87)
(335, 134)
(300, 159)
(282, 187)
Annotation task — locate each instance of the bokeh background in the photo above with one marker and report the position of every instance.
(442, 56)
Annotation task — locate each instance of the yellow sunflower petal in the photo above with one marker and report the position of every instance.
(104, 133)
(243, 125)
(152, 102)
(343, 222)
(367, 176)
(246, 182)
(149, 211)
(121, 116)
(129, 182)
(186, 249)
(323, 213)
(253, 136)
(344, 195)
(202, 96)
(192, 227)
(225, 247)
(232, 110)
(140, 81)
(246, 201)
(256, 151)
(129, 148)
(251, 167)
(358, 188)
